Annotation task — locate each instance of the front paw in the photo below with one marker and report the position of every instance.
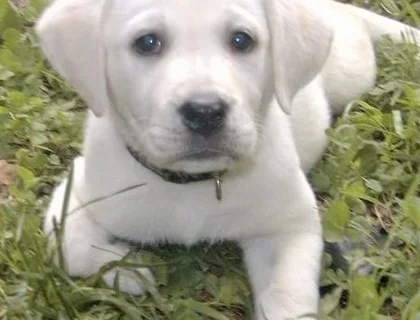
(275, 311)
(282, 315)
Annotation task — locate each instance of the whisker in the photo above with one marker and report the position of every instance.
(147, 121)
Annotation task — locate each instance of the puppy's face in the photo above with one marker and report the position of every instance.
(190, 79)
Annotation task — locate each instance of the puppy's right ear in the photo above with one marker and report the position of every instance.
(69, 35)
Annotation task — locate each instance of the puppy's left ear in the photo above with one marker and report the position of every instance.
(300, 41)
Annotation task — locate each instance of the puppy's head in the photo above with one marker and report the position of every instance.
(190, 80)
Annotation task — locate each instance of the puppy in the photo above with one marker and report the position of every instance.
(204, 118)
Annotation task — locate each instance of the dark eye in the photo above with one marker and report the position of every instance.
(242, 41)
(148, 44)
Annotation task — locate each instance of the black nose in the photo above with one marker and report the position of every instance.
(204, 114)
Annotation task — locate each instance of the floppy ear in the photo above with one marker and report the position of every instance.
(300, 41)
(68, 31)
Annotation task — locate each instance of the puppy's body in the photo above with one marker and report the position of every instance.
(326, 59)
(160, 211)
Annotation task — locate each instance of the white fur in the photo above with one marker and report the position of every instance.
(314, 56)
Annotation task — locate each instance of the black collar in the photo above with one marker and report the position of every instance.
(179, 177)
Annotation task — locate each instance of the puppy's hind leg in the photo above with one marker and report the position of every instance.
(86, 247)
(350, 70)
(379, 26)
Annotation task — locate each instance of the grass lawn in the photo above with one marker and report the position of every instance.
(367, 185)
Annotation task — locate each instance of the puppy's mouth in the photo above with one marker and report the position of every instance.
(205, 155)
(204, 161)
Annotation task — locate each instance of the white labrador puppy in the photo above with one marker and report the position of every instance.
(190, 138)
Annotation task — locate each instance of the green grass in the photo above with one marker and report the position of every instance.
(368, 180)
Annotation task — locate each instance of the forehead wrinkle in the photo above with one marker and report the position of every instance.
(241, 18)
(121, 11)
(127, 28)
(251, 14)
(147, 19)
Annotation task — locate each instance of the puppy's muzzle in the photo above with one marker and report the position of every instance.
(204, 114)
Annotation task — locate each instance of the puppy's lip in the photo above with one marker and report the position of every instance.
(203, 162)
(207, 155)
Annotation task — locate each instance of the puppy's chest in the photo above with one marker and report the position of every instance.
(188, 213)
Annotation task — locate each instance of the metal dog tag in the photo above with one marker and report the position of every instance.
(218, 186)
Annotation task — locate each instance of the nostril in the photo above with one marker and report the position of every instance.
(203, 115)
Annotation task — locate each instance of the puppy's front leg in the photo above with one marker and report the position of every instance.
(284, 272)
(87, 247)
